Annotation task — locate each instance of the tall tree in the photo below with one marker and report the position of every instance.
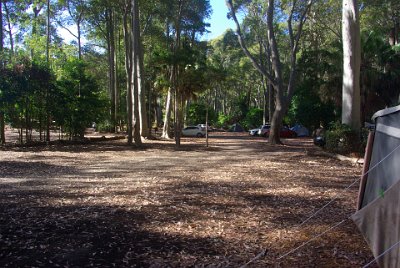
(76, 10)
(296, 15)
(351, 65)
(136, 46)
(2, 120)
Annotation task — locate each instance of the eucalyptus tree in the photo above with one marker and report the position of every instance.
(185, 21)
(382, 16)
(73, 12)
(351, 65)
(131, 23)
(295, 13)
(105, 17)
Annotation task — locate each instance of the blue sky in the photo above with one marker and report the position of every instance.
(219, 22)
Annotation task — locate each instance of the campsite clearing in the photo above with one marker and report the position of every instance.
(106, 204)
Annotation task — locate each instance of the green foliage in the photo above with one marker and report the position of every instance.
(224, 121)
(254, 118)
(197, 114)
(309, 110)
(80, 102)
(342, 139)
(240, 109)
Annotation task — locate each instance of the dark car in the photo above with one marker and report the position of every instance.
(284, 133)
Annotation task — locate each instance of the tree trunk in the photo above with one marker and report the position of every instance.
(175, 77)
(135, 69)
(9, 28)
(144, 127)
(128, 69)
(2, 121)
(48, 118)
(167, 116)
(111, 67)
(351, 65)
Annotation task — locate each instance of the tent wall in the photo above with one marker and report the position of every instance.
(387, 172)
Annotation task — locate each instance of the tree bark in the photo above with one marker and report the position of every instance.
(275, 77)
(9, 29)
(111, 68)
(167, 116)
(48, 117)
(351, 65)
(2, 121)
(128, 69)
(135, 69)
(144, 127)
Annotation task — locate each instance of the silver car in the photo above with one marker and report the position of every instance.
(193, 131)
(263, 129)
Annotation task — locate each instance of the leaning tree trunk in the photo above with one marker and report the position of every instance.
(351, 65)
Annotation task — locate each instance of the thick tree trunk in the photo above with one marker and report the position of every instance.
(351, 65)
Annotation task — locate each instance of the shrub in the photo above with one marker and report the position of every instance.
(342, 139)
(254, 118)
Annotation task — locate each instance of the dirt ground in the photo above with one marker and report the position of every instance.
(239, 201)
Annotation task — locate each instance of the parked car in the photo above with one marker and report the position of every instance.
(194, 131)
(203, 126)
(263, 129)
(284, 133)
(254, 132)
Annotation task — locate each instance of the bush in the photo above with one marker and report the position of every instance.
(254, 118)
(224, 121)
(342, 139)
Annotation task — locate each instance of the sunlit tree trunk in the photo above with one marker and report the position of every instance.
(167, 116)
(144, 128)
(351, 65)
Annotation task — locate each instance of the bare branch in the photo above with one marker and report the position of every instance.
(262, 70)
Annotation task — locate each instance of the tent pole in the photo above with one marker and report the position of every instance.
(367, 160)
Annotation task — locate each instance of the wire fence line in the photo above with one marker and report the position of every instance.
(338, 223)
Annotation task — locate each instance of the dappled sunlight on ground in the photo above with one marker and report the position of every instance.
(106, 203)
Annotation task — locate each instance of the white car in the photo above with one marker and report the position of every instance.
(193, 131)
(254, 132)
(203, 126)
(263, 129)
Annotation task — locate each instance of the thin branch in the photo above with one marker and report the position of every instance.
(65, 28)
(243, 45)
